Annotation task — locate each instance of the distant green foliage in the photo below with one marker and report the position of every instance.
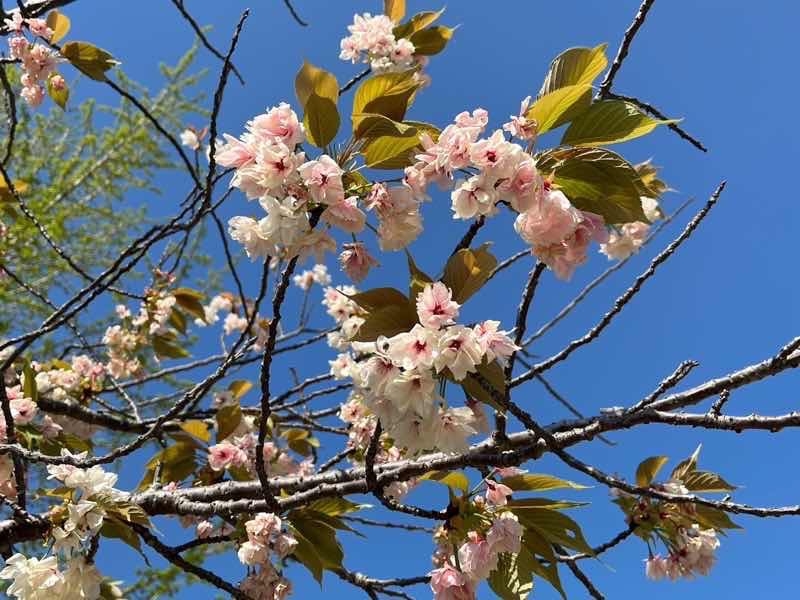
(79, 165)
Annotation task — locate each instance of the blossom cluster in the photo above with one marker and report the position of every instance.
(269, 167)
(629, 237)
(265, 537)
(123, 341)
(318, 274)
(505, 172)
(399, 222)
(238, 449)
(464, 560)
(38, 61)
(58, 380)
(372, 41)
(399, 377)
(361, 423)
(693, 554)
(78, 521)
(42, 579)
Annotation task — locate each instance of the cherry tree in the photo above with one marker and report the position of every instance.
(414, 391)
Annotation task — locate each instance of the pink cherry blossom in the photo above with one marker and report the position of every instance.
(520, 126)
(476, 557)
(448, 583)
(495, 155)
(356, 261)
(204, 529)
(625, 241)
(224, 455)
(247, 232)
(436, 307)
(495, 344)
(497, 493)
(474, 196)
(15, 22)
(505, 534)
(524, 187)
(549, 221)
(278, 124)
(656, 567)
(234, 153)
(39, 27)
(323, 177)
(23, 410)
(262, 526)
(459, 351)
(452, 427)
(413, 349)
(412, 391)
(345, 215)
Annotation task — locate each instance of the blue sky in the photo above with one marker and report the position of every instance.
(727, 299)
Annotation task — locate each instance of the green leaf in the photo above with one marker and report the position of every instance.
(394, 9)
(648, 469)
(239, 388)
(493, 378)
(715, 518)
(433, 40)
(390, 152)
(705, 481)
(610, 122)
(313, 80)
(321, 120)
(418, 279)
(228, 419)
(29, 388)
(5, 192)
(456, 480)
(512, 579)
(651, 185)
(686, 466)
(370, 125)
(535, 482)
(178, 320)
(389, 95)
(127, 511)
(523, 504)
(378, 298)
(389, 320)
(117, 530)
(60, 25)
(423, 128)
(177, 463)
(198, 429)
(559, 106)
(191, 302)
(555, 527)
(335, 506)
(575, 66)
(416, 23)
(59, 94)
(165, 348)
(300, 440)
(596, 180)
(355, 183)
(89, 59)
(467, 271)
(537, 545)
(317, 546)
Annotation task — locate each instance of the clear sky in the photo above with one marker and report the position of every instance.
(729, 298)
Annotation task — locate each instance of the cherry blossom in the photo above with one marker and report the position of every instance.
(436, 307)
